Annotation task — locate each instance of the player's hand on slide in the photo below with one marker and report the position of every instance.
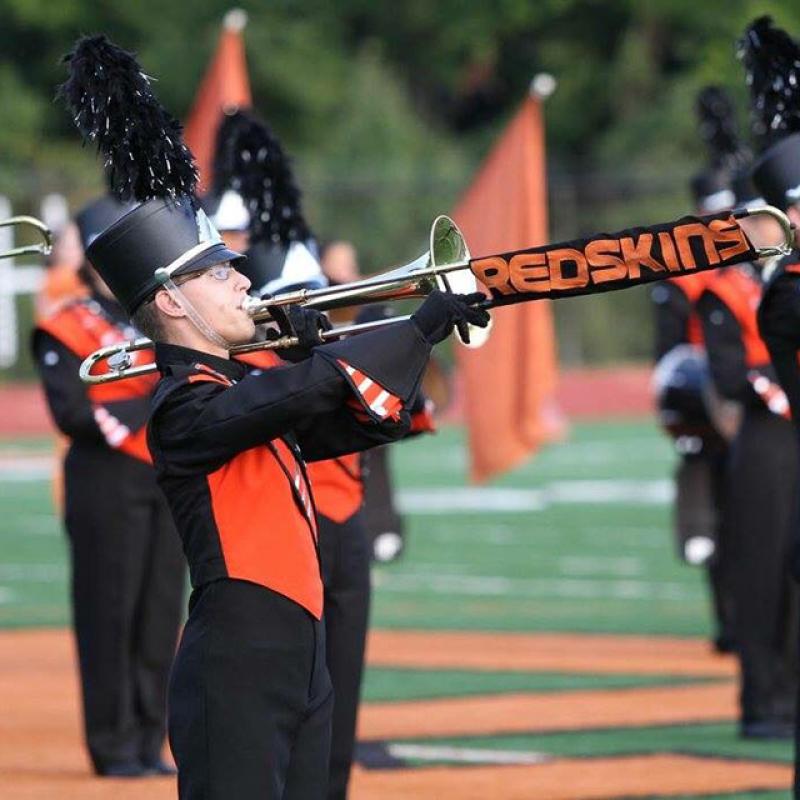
(308, 324)
(442, 311)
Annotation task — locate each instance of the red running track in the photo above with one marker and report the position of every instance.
(582, 394)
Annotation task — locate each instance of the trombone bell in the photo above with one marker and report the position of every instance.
(448, 254)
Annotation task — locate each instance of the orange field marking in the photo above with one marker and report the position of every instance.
(552, 652)
(42, 756)
(572, 779)
(527, 712)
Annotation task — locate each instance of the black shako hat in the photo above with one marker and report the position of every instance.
(777, 172)
(712, 191)
(771, 60)
(98, 215)
(273, 267)
(146, 161)
(157, 240)
(745, 190)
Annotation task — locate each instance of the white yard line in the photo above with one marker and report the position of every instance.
(465, 755)
(41, 573)
(19, 468)
(502, 586)
(489, 500)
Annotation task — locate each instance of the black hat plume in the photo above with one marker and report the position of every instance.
(771, 60)
(113, 105)
(250, 160)
(718, 128)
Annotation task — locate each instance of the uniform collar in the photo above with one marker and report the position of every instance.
(170, 355)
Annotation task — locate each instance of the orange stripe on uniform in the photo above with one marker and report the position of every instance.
(266, 540)
(380, 401)
(207, 379)
(338, 488)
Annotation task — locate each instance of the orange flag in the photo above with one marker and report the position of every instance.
(509, 383)
(225, 85)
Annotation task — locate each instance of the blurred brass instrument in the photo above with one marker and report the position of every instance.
(43, 248)
(445, 265)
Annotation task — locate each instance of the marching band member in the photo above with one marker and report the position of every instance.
(770, 58)
(761, 474)
(127, 569)
(250, 696)
(700, 437)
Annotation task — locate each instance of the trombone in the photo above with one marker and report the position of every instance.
(43, 248)
(445, 265)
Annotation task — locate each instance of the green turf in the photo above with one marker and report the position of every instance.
(704, 740)
(381, 684)
(33, 444)
(568, 566)
(33, 569)
(497, 571)
(542, 570)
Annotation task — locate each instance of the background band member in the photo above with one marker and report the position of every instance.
(770, 58)
(762, 473)
(683, 383)
(337, 483)
(127, 566)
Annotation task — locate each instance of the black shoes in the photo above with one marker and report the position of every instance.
(159, 768)
(138, 769)
(724, 643)
(124, 769)
(767, 729)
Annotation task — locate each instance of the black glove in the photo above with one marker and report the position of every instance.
(304, 323)
(441, 311)
(308, 324)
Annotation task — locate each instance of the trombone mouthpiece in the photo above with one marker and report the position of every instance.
(250, 303)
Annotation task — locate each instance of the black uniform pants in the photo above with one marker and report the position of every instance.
(250, 698)
(128, 574)
(345, 557)
(761, 503)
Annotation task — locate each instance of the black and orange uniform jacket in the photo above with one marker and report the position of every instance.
(738, 357)
(779, 326)
(676, 320)
(344, 550)
(230, 448)
(110, 414)
(338, 483)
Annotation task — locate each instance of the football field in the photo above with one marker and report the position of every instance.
(538, 639)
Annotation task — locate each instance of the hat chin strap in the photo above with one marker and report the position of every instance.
(194, 315)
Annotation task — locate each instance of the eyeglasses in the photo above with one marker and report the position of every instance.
(220, 272)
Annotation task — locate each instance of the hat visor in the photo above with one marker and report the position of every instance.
(216, 254)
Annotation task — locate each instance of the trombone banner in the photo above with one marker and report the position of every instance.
(607, 262)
